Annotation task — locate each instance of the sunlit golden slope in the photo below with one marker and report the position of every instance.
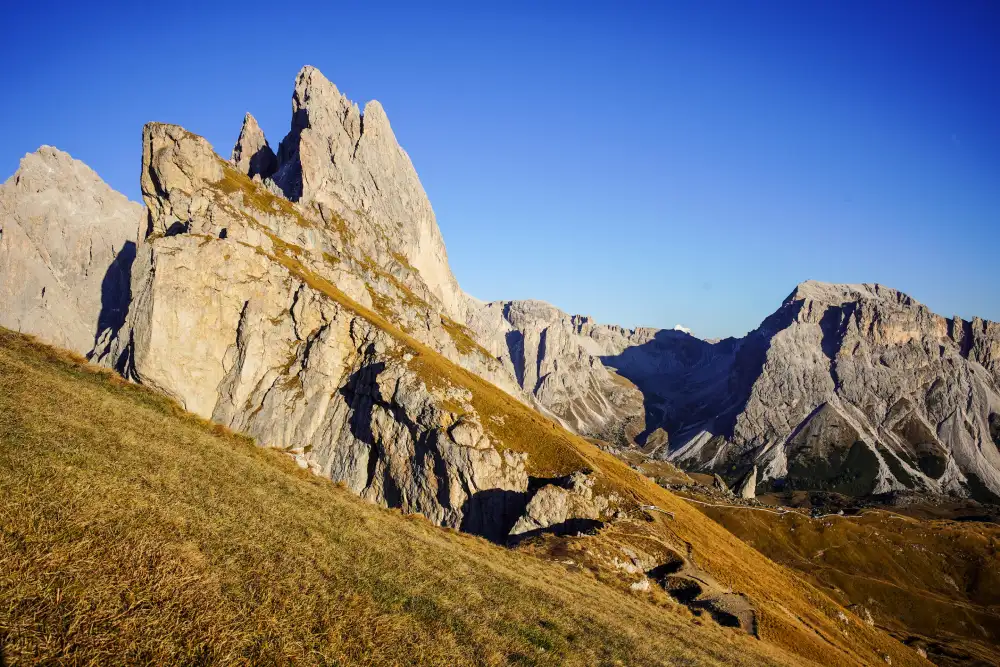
(932, 583)
(131, 531)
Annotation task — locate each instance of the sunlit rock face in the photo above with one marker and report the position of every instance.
(857, 389)
(66, 246)
(339, 156)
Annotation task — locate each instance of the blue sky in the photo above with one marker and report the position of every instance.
(644, 163)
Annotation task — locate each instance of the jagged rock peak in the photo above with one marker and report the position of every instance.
(252, 155)
(335, 156)
(838, 294)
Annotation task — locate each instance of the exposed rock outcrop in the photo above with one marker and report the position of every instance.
(340, 158)
(720, 485)
(66, 246)
(851, 388)
(747, 487)
(568, 505)
(244, 326)
(252, 155)
(557, 358)
(699, 590)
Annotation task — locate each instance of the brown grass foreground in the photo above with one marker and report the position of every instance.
(932, 583)
(132, 532)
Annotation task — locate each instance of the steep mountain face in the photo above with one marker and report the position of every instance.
(67, 241)
(341, 159)
(251, 311)
(852, 388)
(556, 358)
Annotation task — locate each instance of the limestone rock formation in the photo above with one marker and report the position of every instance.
(852, 388)
(66, 246)
(252, 155)
(720, 485)
(557, 358)
(190, 190)
(747, 487)
(339, 158)
(242, 314)
(568, 505)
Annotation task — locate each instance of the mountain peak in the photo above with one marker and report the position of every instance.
(836, 294)
(338, 157)
(252, 155)
(49, 166)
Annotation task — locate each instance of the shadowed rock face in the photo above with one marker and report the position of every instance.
(252, 155)
(67, 241)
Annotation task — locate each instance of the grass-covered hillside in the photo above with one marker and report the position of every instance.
(132, 532)
(933, 583)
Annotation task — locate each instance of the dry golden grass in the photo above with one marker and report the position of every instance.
(256, 197)
(132, 532)
(463, 338)
(930, 580)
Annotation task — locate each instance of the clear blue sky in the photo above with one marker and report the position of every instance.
(647, 164)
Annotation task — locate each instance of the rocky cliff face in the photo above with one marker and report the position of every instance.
(66, 246)
(557, 358)
(339, 158)
(306, 323)
(852, 388)
(253, 312)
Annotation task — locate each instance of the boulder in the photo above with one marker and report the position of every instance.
(568, 505)
(746, 488)
(720, 485)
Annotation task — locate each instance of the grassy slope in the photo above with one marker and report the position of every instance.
(133, 532)
(935, 580)
(792, 613)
